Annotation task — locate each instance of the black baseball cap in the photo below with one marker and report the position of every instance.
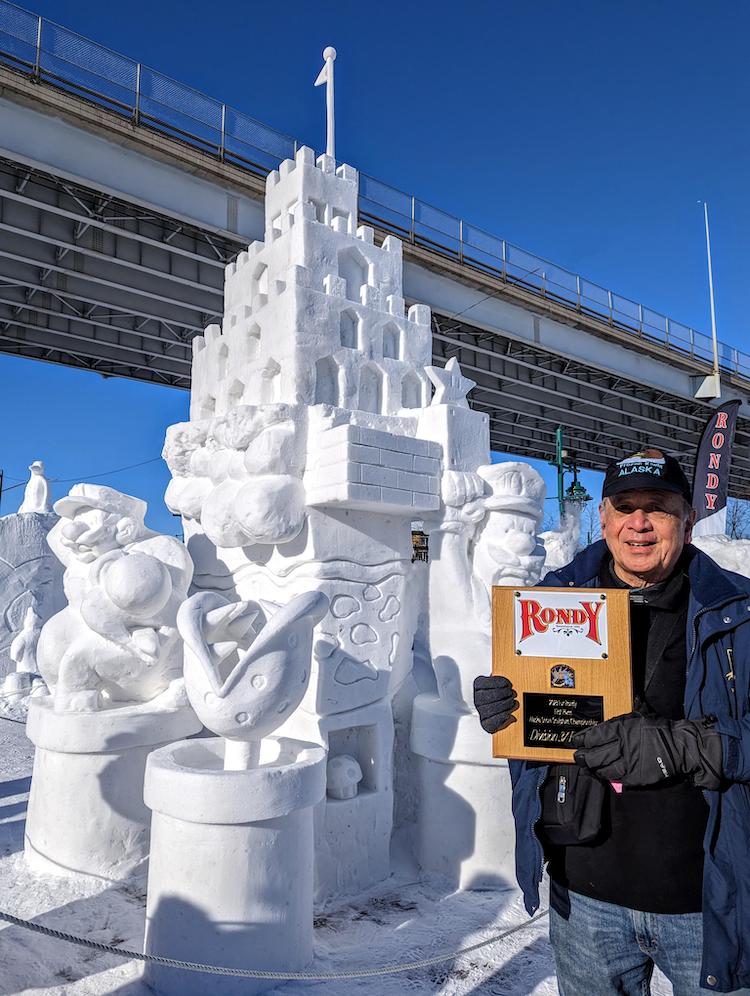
(647, 470)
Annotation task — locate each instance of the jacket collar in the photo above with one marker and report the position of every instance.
(710, 585)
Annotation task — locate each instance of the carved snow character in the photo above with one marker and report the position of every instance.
(117, 641)
(343, 775)
(244, 686)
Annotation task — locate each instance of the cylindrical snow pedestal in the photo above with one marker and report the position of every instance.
(465, 830)
(231, 873)
(86, 812)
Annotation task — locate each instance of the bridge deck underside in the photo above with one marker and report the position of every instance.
(91, 281)
(98, 283)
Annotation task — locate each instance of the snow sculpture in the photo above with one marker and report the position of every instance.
(31, 577)
(311, 448)
(24, 681)
(301, 470)
(117, 640)
(343, 775)
(36, 493)
(485, 534)
(112, 660)
(561, 544)
(215, 802)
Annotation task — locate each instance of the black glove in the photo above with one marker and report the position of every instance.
(644, 750)
(495, 700)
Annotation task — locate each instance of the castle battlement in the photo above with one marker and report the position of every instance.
(315, 313)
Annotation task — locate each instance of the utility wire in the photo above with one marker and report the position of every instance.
(105, 473)
(87, 477)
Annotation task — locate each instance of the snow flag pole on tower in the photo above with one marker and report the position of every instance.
(712, 464)
(326, 76)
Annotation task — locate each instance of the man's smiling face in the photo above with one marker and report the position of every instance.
(645, 532)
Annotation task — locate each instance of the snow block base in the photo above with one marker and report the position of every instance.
(465, 831)
(86, 812)
(231, 871)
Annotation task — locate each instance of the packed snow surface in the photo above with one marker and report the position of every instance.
(401, 920)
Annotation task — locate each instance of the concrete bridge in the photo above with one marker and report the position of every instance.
(123, 194)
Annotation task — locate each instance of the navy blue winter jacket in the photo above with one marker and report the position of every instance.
(718, 683)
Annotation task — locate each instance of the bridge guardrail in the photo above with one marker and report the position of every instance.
(49, 52)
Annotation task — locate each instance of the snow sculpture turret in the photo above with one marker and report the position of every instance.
(112, 660)
(248, 794)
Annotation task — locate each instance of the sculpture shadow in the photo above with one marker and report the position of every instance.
(180, 930)
(33, 962)
(520, 974)
(12, 827)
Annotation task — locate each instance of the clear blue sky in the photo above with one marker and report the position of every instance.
(585, 132)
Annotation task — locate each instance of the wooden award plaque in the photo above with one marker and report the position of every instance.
(567, 653)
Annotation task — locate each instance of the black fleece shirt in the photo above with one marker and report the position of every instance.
(649, 853)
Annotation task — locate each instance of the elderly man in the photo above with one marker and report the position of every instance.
(646, 836)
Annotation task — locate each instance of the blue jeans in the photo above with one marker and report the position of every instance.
(602, 949)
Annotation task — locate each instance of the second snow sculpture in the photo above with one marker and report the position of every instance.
(215, 802)
(112, 660)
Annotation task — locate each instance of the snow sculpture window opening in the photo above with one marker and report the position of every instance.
(235, 393)
(260, 284)
(207, 406)
(222, 356)
(320, 210)
(349, 328)
(253, 341)
(360, 742)
(392, 344)
(269, 382)
(370, 390)
(353, 269)
(411, 391)
(326, 381)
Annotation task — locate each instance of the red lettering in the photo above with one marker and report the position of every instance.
(712, 481)
(535, 619)
(711, 502)
(529, 617)
(721, 420)
(592, 610)
(714, 459)
(717, 440)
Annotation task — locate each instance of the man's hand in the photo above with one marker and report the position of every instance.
(641, 750)
(496, 701)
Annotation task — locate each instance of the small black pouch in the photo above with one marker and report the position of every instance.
(572, 804)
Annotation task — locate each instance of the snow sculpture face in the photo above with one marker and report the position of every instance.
(343, 775)
(244, 686)
(117, 640)
(507, 550)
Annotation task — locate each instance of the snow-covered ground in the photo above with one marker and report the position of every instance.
(400, 921)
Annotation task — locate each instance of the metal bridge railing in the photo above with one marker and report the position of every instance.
(48, 52)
